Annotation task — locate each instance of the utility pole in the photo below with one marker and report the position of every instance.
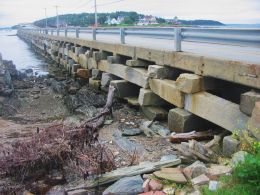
(57, 16)
(46, 20)
(96, 20)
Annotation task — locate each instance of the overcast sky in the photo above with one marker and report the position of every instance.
(226, 11)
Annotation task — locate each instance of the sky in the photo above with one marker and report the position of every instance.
(227, 11)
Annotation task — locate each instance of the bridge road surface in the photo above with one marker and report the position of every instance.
(219, 51)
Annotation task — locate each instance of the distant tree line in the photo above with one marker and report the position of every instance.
(130, 18)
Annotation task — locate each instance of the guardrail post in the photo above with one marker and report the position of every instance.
(66, 32)
(51, 32)
(94, 34)
(46, 31)
(122, 35)
(77, 32)
(58, 32)
(177, 39)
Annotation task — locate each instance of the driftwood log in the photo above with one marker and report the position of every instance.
(194, 150)
(183, 137)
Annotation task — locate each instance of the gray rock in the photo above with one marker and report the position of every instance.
(131, 131)
(230, 145)
(88, 111)
(194, 170)
(238, 157)
(126, 186)
(168, 157)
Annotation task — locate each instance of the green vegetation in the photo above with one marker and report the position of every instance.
(245, 179)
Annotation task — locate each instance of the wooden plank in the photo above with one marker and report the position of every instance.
(145, 167)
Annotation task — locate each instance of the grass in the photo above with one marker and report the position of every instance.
(245, 179)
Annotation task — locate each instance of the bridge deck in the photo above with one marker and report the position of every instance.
(227, 52)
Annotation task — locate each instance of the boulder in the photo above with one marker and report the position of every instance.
(247, 102)
(126, 186)
(230, 145)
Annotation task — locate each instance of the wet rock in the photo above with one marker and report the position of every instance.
(22, 84)
(131, 131)
(126, 186)
(73, 90)
(35, 91)
(36, 96)
(58, 87)
(194, 170)
(72, 102)
(88, 111)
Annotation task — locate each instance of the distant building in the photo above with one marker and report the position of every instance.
(174, 21)
(147, 20)
(113, 21)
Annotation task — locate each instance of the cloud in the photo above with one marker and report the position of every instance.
(227, 11)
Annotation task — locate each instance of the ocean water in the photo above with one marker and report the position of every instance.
(15, 49)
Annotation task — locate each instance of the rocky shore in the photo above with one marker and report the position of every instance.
(144, 160)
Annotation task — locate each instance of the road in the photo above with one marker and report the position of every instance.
(228, 52)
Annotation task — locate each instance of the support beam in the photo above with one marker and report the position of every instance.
(182, 121)
(189, 83)
(216, 110)
(149, 98)
(168, 91)
(133, 75)
(125, 88)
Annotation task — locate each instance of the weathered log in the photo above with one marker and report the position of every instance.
(182, 137)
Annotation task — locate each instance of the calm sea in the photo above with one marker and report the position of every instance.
(15, 49)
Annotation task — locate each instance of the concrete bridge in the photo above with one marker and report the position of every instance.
(208, 83)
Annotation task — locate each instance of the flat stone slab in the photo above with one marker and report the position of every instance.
(172, 174)
(127, 145)
(200, 180)
(168, 91)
